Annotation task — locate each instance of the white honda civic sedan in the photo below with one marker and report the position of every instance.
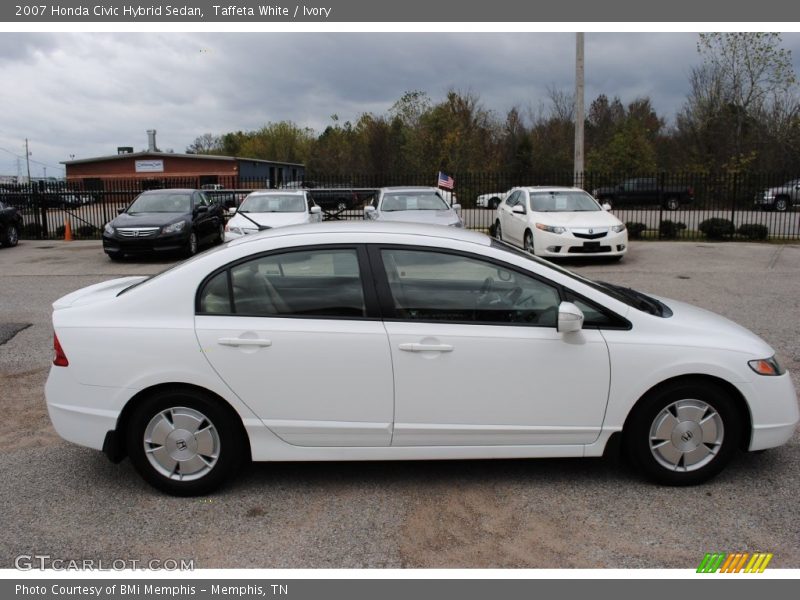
(387, 341)
(559, 222)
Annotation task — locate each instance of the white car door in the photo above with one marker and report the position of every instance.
(289, 333)
(506, 217)
(518, 222)
(477, 358)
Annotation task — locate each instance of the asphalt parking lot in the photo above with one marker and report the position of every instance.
(71, 503)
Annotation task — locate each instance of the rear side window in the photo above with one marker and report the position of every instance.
(319, 283)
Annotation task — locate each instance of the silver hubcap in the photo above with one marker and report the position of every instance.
(12, 235)
(781, 204)
(181, 443)
(498, 232)
(529, 243)
(686, 435)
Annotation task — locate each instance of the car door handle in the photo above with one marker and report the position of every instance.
(244, 342)
(413, 347)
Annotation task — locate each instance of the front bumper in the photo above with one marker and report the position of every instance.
(569, 245)
(152, 245)
(773, 410)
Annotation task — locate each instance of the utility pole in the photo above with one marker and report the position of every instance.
(579, 109)
(28, 160)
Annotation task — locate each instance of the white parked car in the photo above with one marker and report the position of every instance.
(414, 205)
(269, 209)
(559, 221)
(387, 341)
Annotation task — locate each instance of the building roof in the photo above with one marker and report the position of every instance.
(149, 154)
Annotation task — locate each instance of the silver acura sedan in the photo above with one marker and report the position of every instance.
(413, 205)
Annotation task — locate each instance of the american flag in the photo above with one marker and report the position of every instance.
(445, 181)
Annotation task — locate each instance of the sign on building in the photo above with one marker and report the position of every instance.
(149, 166)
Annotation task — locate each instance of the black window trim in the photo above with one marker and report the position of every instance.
(386, 301)
(371, 304)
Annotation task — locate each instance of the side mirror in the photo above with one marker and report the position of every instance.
(456, 207)
(120, 211)
(518, 209)
(369, 212)
(232, 211)
(315, 210)
(570, 318)
(606, 206)
(200, 209)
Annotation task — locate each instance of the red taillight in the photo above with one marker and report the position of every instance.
(60, 359)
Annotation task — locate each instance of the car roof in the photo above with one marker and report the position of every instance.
(370, 227)
(289, 192)
(549, 188)
(171, 191)
(410, 188)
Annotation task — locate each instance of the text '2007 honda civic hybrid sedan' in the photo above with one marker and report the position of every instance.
(357, 341)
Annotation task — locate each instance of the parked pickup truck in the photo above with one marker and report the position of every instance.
(643, 191)
(334, 198)
(491, 200)
(780, 198)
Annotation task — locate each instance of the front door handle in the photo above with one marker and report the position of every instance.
(413, 347)
(244, 342)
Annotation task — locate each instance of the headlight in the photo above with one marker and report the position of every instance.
(550, 228)
(108, 229)
(174, 228)
(767, 366)
(618, 228)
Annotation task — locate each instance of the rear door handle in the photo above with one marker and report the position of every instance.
(244, 342)
(413, 347)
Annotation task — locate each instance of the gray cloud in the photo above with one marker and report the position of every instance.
(85, 94)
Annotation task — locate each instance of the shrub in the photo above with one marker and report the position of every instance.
(753, 231)
(635, 230)
(86, 232)
(31, 231)
(670, 229)
(717, 229)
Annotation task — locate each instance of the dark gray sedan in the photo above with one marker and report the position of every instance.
(413, 204)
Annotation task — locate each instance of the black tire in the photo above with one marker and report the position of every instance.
(221, 234)
(691, 395)
(527, 241)
(781, 204)
(498, 232)
(192, 245)
(115, 256)
(228, 449)
(10, 236)
(672, 204)
(615, 259)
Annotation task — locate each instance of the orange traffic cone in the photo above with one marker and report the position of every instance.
(67, 231)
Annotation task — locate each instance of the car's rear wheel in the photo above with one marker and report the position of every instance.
(10, 236)
(672, 204)
(221, 233)
(494, 203)
(683, 433)
(781, 204)
(183, 442)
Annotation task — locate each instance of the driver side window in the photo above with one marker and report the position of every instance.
(429, 285)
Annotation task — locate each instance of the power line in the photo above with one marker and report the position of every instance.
(38, 162)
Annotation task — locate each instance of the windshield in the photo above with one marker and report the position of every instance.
(162, 202)
(273, 203)
(413, 201)
(563, 202)
(628, 296)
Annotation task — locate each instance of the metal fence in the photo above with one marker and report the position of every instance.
(655, 206)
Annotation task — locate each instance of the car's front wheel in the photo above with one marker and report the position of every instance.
(683, 433)
(498, 232)
(528, 242)
(183, 442)
(781, 204)
(672, 204)
(191, 245)
(10, 236)
(221, 234)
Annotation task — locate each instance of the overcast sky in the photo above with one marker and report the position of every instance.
(84, 94)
